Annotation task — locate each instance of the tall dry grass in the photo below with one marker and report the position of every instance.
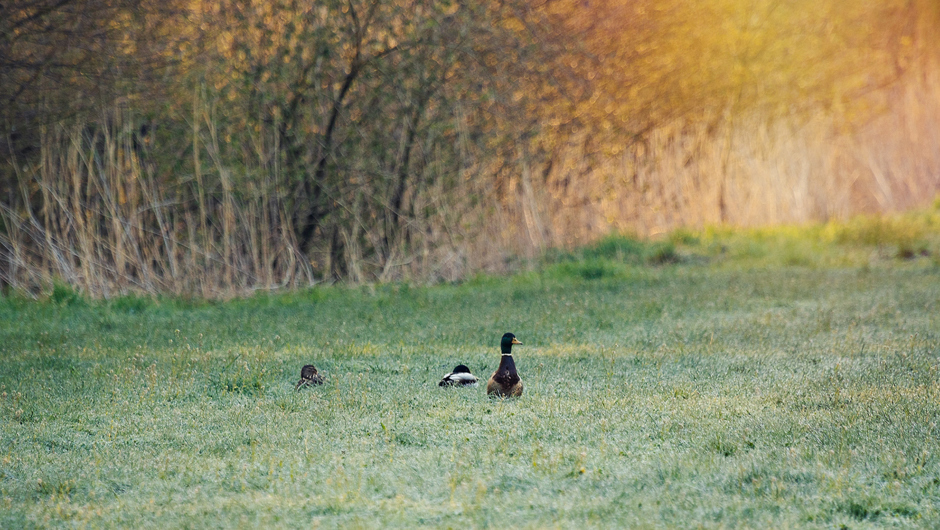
(106, 216)
(745, 172)
(108, 224)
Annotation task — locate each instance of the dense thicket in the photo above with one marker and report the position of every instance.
(219, 147)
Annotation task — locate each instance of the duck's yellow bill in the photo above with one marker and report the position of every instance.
(515, 341)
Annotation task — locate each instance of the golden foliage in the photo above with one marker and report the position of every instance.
(281, 141)
(639, 64)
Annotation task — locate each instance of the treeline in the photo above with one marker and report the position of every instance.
(220, 147)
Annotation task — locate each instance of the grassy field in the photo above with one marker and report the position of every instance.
(761, 379)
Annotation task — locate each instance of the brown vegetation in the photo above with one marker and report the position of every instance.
(217, 148)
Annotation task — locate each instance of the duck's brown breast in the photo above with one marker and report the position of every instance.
(498, 387)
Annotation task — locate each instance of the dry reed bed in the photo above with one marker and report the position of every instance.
(109, 219)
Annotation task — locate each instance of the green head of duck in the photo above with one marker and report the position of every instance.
(507, 341)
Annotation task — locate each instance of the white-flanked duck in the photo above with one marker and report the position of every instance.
(461, 376)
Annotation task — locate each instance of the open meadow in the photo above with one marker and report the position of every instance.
(741, 381)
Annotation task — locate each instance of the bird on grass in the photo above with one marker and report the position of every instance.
(505, 380)
(461, 376)
(309, 376)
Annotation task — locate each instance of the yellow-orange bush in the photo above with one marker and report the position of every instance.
(250, 144)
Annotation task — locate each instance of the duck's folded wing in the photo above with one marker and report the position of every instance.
(458, 379)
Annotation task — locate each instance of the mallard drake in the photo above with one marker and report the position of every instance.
(309, 376)
(505, 380)
(461, 376)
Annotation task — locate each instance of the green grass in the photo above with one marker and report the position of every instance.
(739, 383)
